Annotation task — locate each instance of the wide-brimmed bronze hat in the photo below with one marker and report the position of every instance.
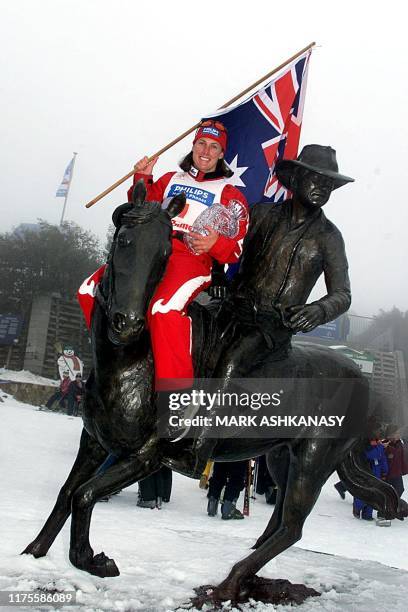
(316, 158)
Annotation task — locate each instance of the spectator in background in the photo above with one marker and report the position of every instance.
(397, 462)
(341, 489)
(230, 475)
(155, 489)
(375, 454)
(75, 393)
(60, 396)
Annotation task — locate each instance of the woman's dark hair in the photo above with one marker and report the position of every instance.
(222, 168)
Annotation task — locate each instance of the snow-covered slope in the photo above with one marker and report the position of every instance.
(24, 376)
(163, 554)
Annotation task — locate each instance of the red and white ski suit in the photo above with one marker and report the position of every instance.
(186, 274)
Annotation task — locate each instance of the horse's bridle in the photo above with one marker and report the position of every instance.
(106, 302)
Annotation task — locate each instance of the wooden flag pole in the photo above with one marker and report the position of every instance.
(187, 132)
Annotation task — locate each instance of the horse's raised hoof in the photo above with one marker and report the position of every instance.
(99, 565)
(35, 549)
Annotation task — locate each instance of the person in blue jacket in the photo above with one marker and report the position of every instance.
(375, 453)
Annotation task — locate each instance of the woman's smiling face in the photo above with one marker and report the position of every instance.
(206, 153)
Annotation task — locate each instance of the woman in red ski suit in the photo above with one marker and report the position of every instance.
(204, 180)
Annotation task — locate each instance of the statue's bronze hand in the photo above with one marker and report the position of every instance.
(219, 292)
(304, 318)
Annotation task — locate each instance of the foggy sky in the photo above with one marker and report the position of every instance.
(114, 80)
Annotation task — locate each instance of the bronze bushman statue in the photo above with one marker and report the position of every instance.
(293, 243)
(286, 249)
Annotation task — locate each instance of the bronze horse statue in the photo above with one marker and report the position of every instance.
(119, 413)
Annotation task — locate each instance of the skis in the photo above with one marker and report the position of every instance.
(255, 479)
(247, 495)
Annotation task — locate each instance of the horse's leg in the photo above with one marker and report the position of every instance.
(311, 463)
(90, 456)
(123, 473)
(278, 462)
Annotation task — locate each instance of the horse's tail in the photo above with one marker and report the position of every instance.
(364, 485)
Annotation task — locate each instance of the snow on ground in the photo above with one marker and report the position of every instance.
(163, 554)
(26, 377)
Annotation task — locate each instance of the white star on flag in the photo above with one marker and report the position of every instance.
(238, 172)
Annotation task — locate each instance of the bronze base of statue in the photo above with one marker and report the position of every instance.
(268, 591)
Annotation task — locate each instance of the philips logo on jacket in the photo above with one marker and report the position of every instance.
(198, 198)
(193, 193)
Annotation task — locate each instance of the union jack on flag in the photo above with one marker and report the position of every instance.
(264, 129)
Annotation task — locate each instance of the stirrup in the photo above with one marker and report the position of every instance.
(189, 413)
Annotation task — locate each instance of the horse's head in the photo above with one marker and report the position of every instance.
(136, 262)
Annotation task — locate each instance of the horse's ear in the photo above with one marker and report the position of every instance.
(119, 212)
(139, 193)
(176, 205)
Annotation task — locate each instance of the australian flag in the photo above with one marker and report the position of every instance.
(264, 129)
